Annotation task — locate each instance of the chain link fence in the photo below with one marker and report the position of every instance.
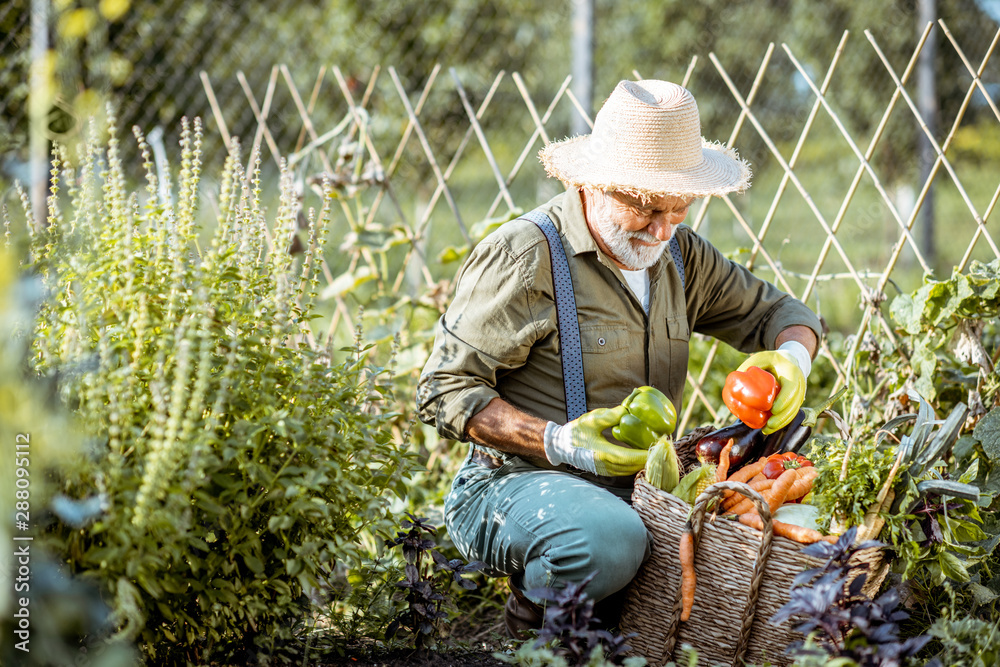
(148, 57)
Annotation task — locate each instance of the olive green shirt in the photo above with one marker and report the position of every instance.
(498, 337)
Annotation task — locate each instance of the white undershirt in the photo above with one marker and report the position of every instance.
(639, 282)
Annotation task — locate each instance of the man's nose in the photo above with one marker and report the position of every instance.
(662, 226)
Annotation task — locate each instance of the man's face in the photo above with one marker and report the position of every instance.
(631, 232)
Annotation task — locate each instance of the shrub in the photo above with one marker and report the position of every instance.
(428, 575)
(571, 632)
(966, 641)
(843, 626)
(237, 461)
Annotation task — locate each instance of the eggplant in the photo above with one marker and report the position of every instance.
(773, 440)
(798, 431)
(747, 443)
(801, 427)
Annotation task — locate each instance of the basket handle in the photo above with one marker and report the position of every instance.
(694, 525)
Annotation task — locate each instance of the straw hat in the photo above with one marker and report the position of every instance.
(647, 142)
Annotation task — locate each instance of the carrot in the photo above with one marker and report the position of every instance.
(722, 470)
(756, 478)
(688, 578)
(791, 531)
(760, 485)
(803, 484)
(775, 494)
(742, 507)
(744, 474)
(779, 490)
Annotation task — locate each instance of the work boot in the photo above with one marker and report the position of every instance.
(521, 615)
(609, 610)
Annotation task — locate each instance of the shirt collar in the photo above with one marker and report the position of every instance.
(575, 230)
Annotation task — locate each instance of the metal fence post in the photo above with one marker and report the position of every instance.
(928, 104)
(39, 98)
(583, 62)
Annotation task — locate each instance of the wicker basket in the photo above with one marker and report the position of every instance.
(743, 579)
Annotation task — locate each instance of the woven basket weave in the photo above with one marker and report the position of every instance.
(743, 579)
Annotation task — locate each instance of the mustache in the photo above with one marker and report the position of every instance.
(643, 236)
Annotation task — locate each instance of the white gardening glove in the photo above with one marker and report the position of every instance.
(580, 443)
(785, 368)
(798, 353)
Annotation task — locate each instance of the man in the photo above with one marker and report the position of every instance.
(543, 496)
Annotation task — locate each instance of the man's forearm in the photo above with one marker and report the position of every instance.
(502, 426)
(800, 334)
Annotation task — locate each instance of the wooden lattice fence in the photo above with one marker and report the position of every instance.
(412, 187)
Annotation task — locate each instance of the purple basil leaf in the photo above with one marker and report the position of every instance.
(935, 529)
(857, 585)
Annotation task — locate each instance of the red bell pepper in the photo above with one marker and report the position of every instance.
(750, 394)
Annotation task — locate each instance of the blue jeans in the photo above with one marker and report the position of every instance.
(545, 528)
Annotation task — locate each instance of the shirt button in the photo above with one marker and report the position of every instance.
(600, 341)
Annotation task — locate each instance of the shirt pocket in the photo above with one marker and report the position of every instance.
(678, 329)
(612, 363)
(598, 340)
(678, 339)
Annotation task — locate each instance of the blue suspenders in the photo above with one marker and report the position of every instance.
(566, 320)
(567, 323)
(675, 251)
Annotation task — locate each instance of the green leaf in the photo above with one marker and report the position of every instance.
(966, 531)
(906, 312)
(924, 362)
(952, 567)
(940, 301)
(991, 526)
(452, 254)
(964, 447)
(987, 431)
(254, 563)
(348, 282)
(981, 594)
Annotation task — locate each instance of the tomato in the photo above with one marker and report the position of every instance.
(773, 468)
(779, 463)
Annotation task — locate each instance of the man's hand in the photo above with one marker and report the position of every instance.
(580, 443)
(793, 386)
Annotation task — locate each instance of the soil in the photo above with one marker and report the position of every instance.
(411, 658)
(471, 640)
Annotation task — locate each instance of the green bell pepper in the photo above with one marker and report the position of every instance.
(632, 431)
(653, 408)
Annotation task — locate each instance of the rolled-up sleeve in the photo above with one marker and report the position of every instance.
(488, 329)
(728, 302)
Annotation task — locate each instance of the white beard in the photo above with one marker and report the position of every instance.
(619, 241)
